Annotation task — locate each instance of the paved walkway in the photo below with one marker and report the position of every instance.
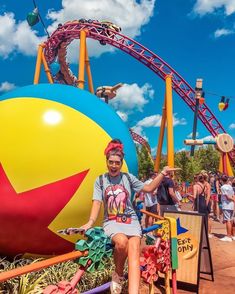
(223, 257)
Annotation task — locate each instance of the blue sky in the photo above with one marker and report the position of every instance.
(195, 37)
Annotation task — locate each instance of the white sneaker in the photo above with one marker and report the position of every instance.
(226, 239)
(116, 284)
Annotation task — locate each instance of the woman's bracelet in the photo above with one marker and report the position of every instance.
(162, 173)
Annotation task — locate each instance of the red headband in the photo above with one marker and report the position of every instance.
(112, 146)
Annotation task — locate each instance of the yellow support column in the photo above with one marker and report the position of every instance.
(169, 118)
(229, 167)
(46, 68)
(161, 137)
(38, 64)
(82, 54)
(88, 71)
(221, 170)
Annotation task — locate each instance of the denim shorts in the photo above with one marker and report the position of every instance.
(228, 214)
(152, 209)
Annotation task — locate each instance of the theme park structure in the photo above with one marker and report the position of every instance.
(52, 53)
(55, 49)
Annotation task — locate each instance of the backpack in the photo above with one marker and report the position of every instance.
(163, 196)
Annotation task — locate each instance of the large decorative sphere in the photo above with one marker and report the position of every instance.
(52, 149)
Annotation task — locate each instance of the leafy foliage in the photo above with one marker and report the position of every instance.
(208, 158)
(145, 162)
(25, 284)
(205, 158)
(36, 282)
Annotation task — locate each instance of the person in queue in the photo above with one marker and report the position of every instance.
(166, 196)
(227, 199)
(201, 196)
(150, 201)
(120, 220)
(214, 197)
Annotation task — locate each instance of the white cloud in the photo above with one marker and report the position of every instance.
(150, 121)
(155, 121)
(222, 32)
(7, 29)
(130, 15)
(203, 7)
(232, 126)
(17, 36)
(123, 115)
(132, 97)
(178, 121)
(191, 134)
(6, 86)
(26, 39)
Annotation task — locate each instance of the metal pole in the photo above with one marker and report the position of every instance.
(41, 20)
(194, 126)
(197, 97)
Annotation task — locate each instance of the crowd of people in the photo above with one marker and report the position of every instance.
(210, 194)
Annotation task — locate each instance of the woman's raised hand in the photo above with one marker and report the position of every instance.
(168, 169)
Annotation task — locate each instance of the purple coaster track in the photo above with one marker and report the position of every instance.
(56, 47)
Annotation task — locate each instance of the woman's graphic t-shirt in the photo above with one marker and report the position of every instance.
(116, 195)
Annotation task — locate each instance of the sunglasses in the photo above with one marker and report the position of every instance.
(113, 162)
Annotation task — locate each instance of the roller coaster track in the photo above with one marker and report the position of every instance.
(56, 47)
(136, 137)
